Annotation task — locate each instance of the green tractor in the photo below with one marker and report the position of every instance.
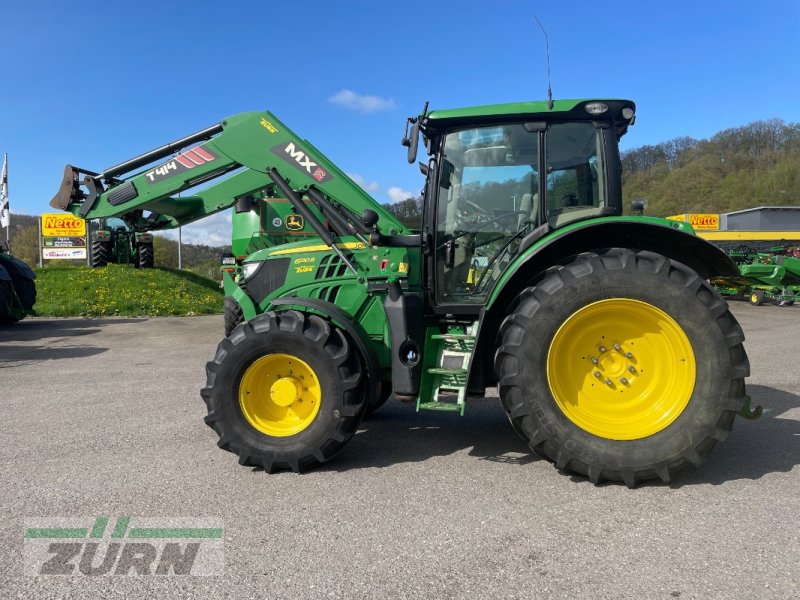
(17, 287)
(113, 241)
(613, 356)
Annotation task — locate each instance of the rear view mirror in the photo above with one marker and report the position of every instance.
(411, 140)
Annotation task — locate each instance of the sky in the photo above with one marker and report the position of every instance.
(95, 83)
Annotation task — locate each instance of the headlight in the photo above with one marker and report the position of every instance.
(596, 108)
(249, 269)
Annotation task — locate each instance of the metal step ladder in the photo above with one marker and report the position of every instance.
(450, 377)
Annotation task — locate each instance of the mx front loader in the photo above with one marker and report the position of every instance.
(613, 356)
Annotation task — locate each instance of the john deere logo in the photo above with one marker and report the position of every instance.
(294, 222)
(124, 546)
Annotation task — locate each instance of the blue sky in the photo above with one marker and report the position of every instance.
(94, 83)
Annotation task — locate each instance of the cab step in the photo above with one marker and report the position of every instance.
(449, 383)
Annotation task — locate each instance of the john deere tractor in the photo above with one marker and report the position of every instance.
(114, 242)
(613, 356)
(17, 287)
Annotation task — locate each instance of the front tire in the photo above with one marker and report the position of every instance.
(285, 391)
(622, 366)
(232, 314)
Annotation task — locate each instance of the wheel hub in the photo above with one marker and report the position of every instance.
(621, 369)
(279, 394)
(286, 391)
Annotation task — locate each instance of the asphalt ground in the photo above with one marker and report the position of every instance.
(104, 417)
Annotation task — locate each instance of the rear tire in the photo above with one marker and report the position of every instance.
(100, 253)
(550, 387)
(145, 256)
(263, 423)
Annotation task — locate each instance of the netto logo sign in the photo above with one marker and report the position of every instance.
(62, 225)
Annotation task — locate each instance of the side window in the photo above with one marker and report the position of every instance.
(575, 188)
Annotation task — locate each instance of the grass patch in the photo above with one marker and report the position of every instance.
(124, 291)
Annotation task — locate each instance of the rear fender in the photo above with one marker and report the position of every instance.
(669, 238)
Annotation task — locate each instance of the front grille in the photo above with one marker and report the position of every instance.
(269, 277)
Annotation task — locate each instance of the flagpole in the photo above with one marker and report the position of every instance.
(4, 205)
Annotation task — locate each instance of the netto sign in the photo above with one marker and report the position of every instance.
(698, 220)
(62, 225)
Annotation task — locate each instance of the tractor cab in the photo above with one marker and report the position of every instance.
(500, 177)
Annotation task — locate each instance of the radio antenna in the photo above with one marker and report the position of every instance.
(547, 46)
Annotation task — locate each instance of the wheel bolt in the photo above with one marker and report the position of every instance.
(597, 374)
(617, 347)
(628, 355)
(609, 383)
(594, 360)
(623, 381)
(602, 349)
(632, 370)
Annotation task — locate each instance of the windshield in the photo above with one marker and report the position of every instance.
(489, 192)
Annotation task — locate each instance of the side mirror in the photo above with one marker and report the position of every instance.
(411, 139)
(638, 206)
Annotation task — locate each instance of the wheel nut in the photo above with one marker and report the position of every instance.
(594, 360)
(609, 383)
(602, 349)
(623, 381)
(597, 374)
(617, 347)
(628, 355)
(632, 370)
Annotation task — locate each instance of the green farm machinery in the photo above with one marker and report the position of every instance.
(113, 241)
(17, 287)
(772, 276)
(612, 355)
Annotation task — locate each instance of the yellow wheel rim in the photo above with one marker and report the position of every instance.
(754, 298)
(621, 369)
(279, 395)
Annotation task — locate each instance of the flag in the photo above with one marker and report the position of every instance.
(5, 219)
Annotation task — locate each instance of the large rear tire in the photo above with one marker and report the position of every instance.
(285, 391)
(101, 251)
(622, 366)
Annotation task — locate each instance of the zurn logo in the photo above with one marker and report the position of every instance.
(128, 546)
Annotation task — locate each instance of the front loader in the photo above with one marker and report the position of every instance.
(613, 356)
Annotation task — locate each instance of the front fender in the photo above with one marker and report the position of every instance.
(234, 291)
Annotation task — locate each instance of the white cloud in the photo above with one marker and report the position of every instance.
(370, 187)
(211, 231)
(365, 104)
(397, 194)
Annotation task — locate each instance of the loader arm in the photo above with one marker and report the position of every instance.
(245, 147)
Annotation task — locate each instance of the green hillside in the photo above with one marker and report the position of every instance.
(754, 165)
(124, 291)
